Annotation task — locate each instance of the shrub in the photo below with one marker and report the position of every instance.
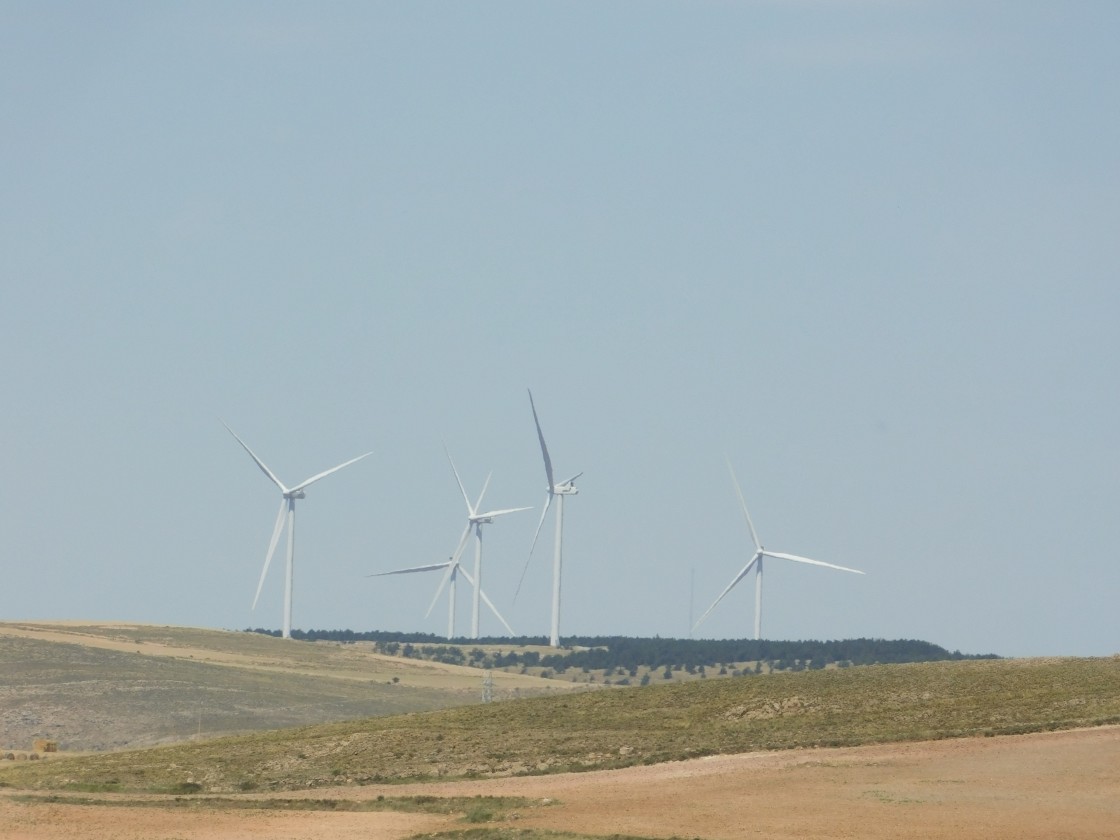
(479, 814)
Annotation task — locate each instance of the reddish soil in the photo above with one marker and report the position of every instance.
(1053, 786)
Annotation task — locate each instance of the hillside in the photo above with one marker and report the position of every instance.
(605, 729)
(94, 687)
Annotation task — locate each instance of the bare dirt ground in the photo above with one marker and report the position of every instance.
(1053, 785)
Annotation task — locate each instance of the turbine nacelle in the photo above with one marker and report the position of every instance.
(488, 517)
(566, 488)
(295, 494)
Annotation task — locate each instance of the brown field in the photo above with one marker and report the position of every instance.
(1049, 785)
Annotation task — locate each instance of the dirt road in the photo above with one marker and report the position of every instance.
(1053, 785)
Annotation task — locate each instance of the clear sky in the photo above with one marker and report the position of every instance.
(868, 251)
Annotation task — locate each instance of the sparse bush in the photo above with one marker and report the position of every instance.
(479, 814)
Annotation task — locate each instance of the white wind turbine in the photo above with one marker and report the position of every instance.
(475, 521)
(287, 501)
(756, 563)
(559, 491)
(453, 568)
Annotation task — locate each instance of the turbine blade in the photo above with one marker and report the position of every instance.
(544, 447)
(494, 610)
(491, 514)
(743, 502)
(462, 544)
(488, 602)
(483, 493)
(451, 564)
(570, 480)
(325, 473)
(429, 568)
(797, 559)
(442, 583)
(271, 549)
(460, 482)
(537, 533)
(253, 455)
(742, 574)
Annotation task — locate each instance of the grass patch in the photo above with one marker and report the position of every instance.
(109, 786)
(473, 808)
(525, 834)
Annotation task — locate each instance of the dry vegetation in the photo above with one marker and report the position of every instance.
(493, 772)
(607, 729)
(101, 687)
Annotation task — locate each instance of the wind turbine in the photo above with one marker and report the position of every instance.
(453, 569)
(756, 563)
(288, 501)
(475, 521)
(558, 491)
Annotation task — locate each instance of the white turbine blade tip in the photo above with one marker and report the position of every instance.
(494, 610)
(263, 467)
(459, 481)
(430, 568)
(325, 473)
(494, 513)
(798, 559)
(743, 504)
(734, 582)
(277, 529)
(544, 446)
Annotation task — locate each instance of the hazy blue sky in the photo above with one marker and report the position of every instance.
(868, 251)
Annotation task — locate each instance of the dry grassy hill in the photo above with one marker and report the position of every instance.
(103, 686)
(605, 729)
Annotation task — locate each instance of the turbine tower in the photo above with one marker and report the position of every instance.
(756, 564)
(287, 502)
(557, 491)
